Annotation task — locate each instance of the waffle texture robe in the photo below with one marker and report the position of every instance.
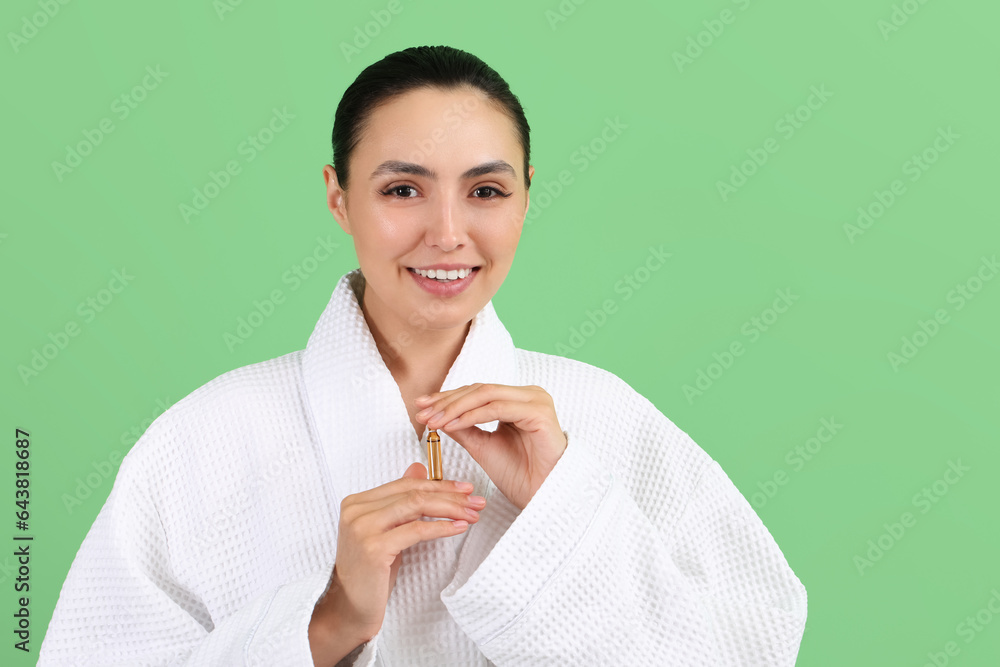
(220, 532)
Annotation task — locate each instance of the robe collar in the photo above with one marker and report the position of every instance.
(356, 407)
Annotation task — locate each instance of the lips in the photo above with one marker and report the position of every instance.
(443, 274)
(443, 287)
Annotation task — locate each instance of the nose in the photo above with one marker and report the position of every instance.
(446, 229)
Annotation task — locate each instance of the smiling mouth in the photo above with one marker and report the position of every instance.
(443, 276)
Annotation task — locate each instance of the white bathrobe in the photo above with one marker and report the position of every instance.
(220, 533)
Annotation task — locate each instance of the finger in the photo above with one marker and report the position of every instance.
(414, 506)
(433, 396)
(415, 471)
(403, 485)
(454, 406)
(473, 439)
(413, 480)
(526, 416)
(405, 536)
(443, 398)
(358, 510)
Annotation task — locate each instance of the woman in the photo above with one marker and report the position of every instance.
(281, 514)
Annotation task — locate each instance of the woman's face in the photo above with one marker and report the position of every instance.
(435, 183)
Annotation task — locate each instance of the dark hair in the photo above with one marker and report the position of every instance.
(416, 67)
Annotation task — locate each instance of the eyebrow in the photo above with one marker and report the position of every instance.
(399, 167)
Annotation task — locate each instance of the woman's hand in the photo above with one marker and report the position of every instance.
(524, 448)
(375, 527)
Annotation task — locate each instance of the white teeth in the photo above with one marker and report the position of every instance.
(441, 274)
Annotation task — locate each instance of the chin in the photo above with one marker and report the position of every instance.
(443, 318)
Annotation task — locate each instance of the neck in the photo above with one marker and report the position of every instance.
(416, 357)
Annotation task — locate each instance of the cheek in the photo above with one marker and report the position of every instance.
(387, 232)
(506, 235)
(499, 230)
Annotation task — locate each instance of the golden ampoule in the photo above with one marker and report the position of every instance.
(433, 455)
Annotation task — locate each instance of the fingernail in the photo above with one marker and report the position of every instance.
(423, 413)
(421, 399)
(437, 416)
(471, 512)
(451, 423)
(477, 500)
(464, 486)
(460, 524)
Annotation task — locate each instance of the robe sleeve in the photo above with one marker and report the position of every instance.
(122, 603)
(584, 575)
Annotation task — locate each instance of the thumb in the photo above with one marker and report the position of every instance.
(416, 471)
(394, 570)
(473, 439)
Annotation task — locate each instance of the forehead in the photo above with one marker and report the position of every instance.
(444, 128)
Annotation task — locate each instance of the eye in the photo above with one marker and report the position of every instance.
(398, 189)
(490, 188)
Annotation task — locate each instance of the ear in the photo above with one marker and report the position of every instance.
(336, 198)
(527, 199)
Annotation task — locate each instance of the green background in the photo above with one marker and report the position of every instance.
(656, 184)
